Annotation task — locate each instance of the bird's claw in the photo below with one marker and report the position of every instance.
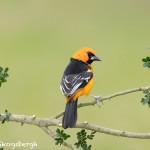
(97, 99)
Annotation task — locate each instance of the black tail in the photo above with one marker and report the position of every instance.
(70, 115)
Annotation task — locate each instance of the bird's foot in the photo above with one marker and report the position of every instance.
(97, 100)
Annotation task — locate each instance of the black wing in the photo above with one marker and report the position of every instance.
(71, 84)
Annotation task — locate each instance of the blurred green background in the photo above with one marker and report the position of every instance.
(37, 39)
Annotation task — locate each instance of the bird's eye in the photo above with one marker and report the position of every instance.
(90, 54)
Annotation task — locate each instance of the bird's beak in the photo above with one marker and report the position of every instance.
(95, 58)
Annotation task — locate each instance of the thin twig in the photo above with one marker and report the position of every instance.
(115, 95)
(107, 98)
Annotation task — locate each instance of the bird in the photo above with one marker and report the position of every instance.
(77, 81)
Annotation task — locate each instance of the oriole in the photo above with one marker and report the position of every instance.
(77, 80)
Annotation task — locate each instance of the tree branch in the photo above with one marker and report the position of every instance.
(44, 123)
(33, 120)
(112, 131)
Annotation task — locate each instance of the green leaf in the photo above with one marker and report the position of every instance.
(146, 99)
(60, 136)
(144, 60)
(1, 69)
(3, 75)
(6, 69)
(82, 139)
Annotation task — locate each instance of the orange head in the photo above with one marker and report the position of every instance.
(86, 55)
